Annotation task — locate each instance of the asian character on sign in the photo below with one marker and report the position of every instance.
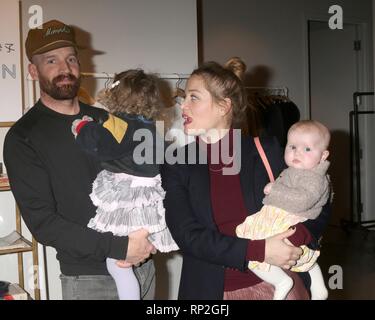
(9, 47)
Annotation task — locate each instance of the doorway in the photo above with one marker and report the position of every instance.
(334, 69)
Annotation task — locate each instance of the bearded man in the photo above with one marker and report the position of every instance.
(51, 177)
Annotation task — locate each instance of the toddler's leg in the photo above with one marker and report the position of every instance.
(278, 278)
(318, 288)
(126, 281)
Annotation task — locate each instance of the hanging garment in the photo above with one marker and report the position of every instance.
(277, 117)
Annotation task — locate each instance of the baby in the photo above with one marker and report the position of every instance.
(297, 195)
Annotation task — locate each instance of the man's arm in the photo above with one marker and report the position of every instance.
(33, 192)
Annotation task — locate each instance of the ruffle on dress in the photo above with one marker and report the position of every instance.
(127, 203)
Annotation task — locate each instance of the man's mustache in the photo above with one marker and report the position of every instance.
(62, 77)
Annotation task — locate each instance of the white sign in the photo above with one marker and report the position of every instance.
(337, 20)
(10, 62)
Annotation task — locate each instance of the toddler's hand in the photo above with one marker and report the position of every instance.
(267, 188)
(79, 123)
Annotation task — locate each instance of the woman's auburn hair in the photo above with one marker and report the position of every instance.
(226, 82)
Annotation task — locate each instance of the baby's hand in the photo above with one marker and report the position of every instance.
(267, 188)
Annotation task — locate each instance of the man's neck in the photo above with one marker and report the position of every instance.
(69, 107)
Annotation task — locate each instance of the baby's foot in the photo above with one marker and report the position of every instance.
(282, 289)
(321, 294)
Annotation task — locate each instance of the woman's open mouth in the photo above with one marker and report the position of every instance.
(187, 119)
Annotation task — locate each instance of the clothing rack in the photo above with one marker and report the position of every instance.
(102, 75)
(269, 91)
(355, 167)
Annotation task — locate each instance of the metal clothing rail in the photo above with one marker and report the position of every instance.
(103, 75)
(277, 91)
(355, 165)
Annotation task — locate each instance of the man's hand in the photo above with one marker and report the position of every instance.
(139, 249)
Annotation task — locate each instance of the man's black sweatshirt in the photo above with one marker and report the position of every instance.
(51, 179)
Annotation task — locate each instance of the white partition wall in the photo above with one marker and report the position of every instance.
(10, 110)
(10, 61)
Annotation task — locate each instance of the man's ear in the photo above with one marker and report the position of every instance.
(33, 71)
(225, 106)
(325, 155)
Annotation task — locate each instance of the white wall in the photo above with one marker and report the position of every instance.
(10, 63)
(10, 110)
(159, 36)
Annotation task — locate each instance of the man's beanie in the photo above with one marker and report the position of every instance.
(54, 34)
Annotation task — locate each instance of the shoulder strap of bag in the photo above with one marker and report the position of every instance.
(264, 158)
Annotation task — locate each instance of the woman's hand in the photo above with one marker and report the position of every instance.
(279, 253)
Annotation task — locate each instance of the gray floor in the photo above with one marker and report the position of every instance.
(348, 263)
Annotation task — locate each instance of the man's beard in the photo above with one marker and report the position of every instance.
(64, 92)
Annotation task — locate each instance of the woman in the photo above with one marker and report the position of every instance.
(204, 204)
